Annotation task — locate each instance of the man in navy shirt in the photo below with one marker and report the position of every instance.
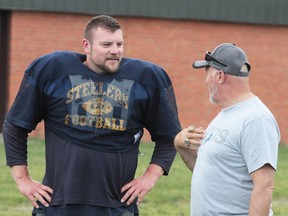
(95, 107)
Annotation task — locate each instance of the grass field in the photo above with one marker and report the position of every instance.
(170, 197)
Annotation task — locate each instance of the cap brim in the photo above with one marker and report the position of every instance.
(200, 64)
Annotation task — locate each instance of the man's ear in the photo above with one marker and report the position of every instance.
(222, 77)
(86, 46)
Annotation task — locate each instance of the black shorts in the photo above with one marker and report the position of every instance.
(83, 210)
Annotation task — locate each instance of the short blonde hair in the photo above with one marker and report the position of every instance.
(103, 21)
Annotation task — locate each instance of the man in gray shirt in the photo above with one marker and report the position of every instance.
(234, 163)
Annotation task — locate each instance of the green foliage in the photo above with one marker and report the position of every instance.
(170, 196)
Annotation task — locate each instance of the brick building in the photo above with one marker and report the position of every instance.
(173, 43)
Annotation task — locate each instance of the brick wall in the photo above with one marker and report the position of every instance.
(173, 44)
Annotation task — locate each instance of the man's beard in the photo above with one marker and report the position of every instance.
(212, 95)
(107, 69)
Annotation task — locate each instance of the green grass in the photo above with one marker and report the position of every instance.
(170, 196)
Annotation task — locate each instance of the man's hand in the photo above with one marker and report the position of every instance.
(139, 187)
(187, 143)
(189, 138)
(30, 188)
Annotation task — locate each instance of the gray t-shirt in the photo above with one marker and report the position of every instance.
(239, 140)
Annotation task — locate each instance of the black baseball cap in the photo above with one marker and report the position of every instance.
(226, 57)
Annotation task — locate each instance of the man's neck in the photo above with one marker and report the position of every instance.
(238, 99)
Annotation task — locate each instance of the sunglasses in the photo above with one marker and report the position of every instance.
(208, 58)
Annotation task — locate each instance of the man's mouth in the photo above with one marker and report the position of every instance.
(113, 59)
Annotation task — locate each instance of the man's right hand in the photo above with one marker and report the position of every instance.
(31, 189)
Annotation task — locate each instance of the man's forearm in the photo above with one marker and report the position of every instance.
(260, 202)
(20, 173)
(15, 142)
(154, 171)
(261, 196)
(189, 157)
(188, 152)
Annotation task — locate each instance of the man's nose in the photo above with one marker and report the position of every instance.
(114, 49)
